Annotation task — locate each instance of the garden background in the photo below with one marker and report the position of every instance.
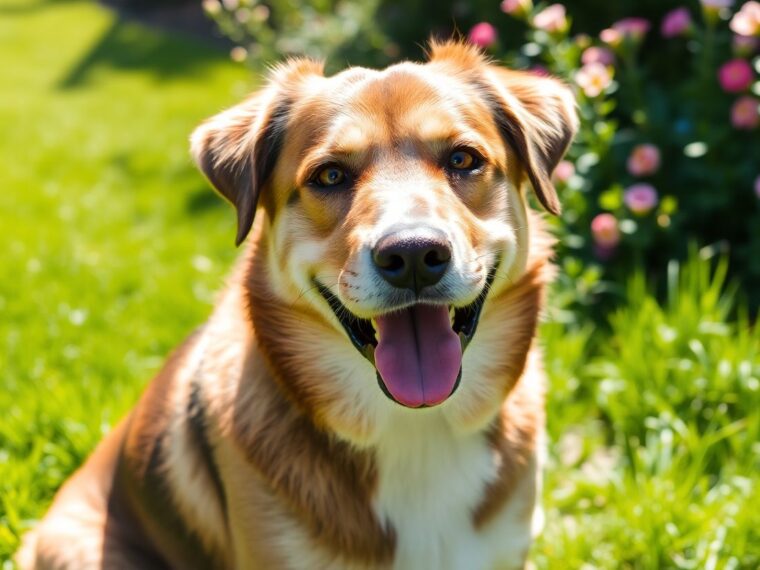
(113, 245)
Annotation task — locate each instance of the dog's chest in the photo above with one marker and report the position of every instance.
(430, 484)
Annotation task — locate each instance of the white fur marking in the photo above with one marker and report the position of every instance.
(431, 480)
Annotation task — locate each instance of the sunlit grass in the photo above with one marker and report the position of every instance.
(656, 430)
(112, 243)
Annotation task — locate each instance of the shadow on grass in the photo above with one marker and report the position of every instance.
(127, 46)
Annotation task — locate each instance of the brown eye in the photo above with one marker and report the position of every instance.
(330, 176)
(462, 160)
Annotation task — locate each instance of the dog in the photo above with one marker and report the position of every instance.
(368, 392)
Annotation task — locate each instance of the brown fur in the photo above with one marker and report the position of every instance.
(257, 445)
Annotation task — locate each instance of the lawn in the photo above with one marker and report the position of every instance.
(114, 246)
(113, 243)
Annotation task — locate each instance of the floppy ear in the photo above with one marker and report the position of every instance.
(537, 118)
(237, 149)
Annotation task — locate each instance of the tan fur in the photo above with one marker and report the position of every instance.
(265, 441)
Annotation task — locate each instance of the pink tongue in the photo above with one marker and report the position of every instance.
(418, 355)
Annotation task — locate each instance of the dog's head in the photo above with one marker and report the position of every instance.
(392, 208)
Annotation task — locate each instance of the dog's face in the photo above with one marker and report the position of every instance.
(393, 206)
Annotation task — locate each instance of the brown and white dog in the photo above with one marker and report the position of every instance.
(367, 392)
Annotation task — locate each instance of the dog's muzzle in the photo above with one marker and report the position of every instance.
(416, 351)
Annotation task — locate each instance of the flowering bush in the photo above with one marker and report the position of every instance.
(669, 148)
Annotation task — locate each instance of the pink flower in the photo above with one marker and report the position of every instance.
(745, 113)
(634, 28)
(757, 187)
(746, 22)
(640, 198)
(483, 35)
(598, 55)
(644, 160)
(735, 75)
(611, 37)
(604, 230)
(551, 19)
(564, 171)
(593, 78)
(516, 7)
(744, 46)
(676, 22)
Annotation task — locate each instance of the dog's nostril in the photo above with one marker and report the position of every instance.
(393, 263)
(437, 257)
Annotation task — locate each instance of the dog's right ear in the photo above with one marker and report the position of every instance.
(237, 149)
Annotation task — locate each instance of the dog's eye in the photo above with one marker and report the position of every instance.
(462, 160)
(330, 176)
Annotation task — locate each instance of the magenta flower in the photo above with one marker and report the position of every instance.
(640, 198)
(605, 231)
(735, 75)
(757, 187)
(483, 35)
(516, 7)
(598, 55)
(551, 19)
(677, 22)
(564, 171)
(745, 113)
(634, 28)
(643, 160)
(746, 22)
(593, 78)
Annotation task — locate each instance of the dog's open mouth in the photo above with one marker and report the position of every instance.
(417, 351)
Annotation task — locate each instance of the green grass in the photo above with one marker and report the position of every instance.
(114, 245)
(655, 431)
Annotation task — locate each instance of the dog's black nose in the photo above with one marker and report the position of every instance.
(410, 260)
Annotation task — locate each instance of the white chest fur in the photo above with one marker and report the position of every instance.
(431, 481)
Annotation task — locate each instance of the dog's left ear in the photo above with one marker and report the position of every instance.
(237, 149)
(537, 118)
